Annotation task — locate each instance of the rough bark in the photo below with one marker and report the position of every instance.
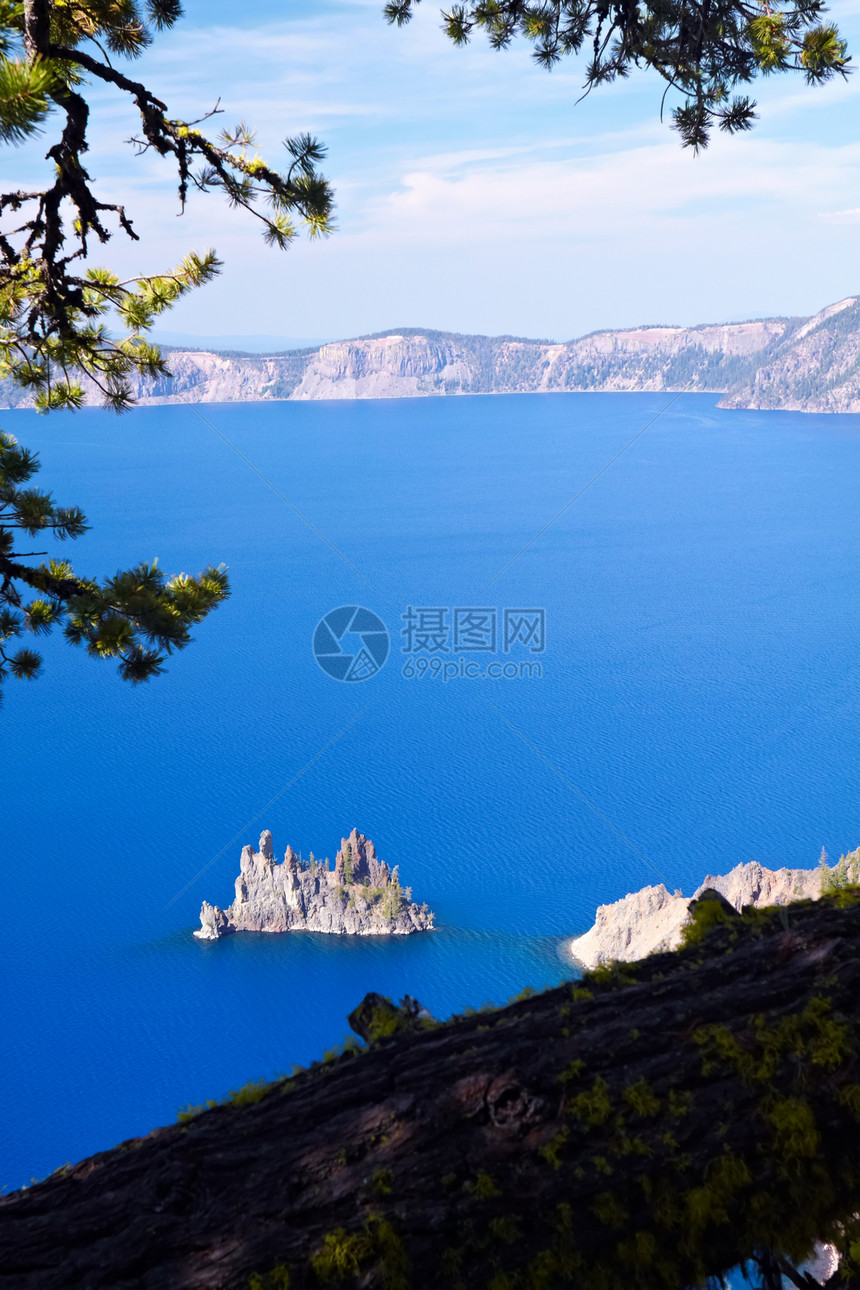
(647, 1127)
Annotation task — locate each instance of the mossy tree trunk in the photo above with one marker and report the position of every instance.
(646, 1128)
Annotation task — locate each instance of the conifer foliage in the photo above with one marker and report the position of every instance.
(137, 617)
(703, 49)
(55, 305)
(60, 313)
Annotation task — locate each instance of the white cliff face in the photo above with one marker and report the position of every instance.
(752, 884)
(814, 369)
(651, 920)
(632, 928)
(398, 366)
(771, 363)
(389, 367)
(360, 896)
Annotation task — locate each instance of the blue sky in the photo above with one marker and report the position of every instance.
(473, 195)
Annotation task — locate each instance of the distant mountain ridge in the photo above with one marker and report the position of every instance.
(797, 364)
(246, 344)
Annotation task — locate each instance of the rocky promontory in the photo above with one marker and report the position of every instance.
(358, 896)
(803, 364)
(652, 919)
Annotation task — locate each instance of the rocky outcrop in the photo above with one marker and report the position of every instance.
(359, 896)
(810, 365)
(814, 368)
(200, 376)
(413, 363)
(632, 928)
(652, 919)
(386, 367)
(752, 884)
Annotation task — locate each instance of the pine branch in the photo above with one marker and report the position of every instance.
(47, 312)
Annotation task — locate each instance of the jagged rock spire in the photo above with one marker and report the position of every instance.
(273, 897)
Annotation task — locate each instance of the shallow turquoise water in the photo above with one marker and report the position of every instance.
(700, 689)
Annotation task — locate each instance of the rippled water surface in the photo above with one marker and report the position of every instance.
(698, 706)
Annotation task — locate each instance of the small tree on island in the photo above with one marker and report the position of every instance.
(348, 867)
(393, 897)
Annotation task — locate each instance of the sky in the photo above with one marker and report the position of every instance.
(473, 193)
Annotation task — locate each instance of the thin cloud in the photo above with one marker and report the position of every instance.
(841, 217)
(471, 193)
(616, 193)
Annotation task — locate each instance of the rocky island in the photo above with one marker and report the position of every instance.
(359, 896)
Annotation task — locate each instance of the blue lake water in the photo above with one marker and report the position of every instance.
(698, 707)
